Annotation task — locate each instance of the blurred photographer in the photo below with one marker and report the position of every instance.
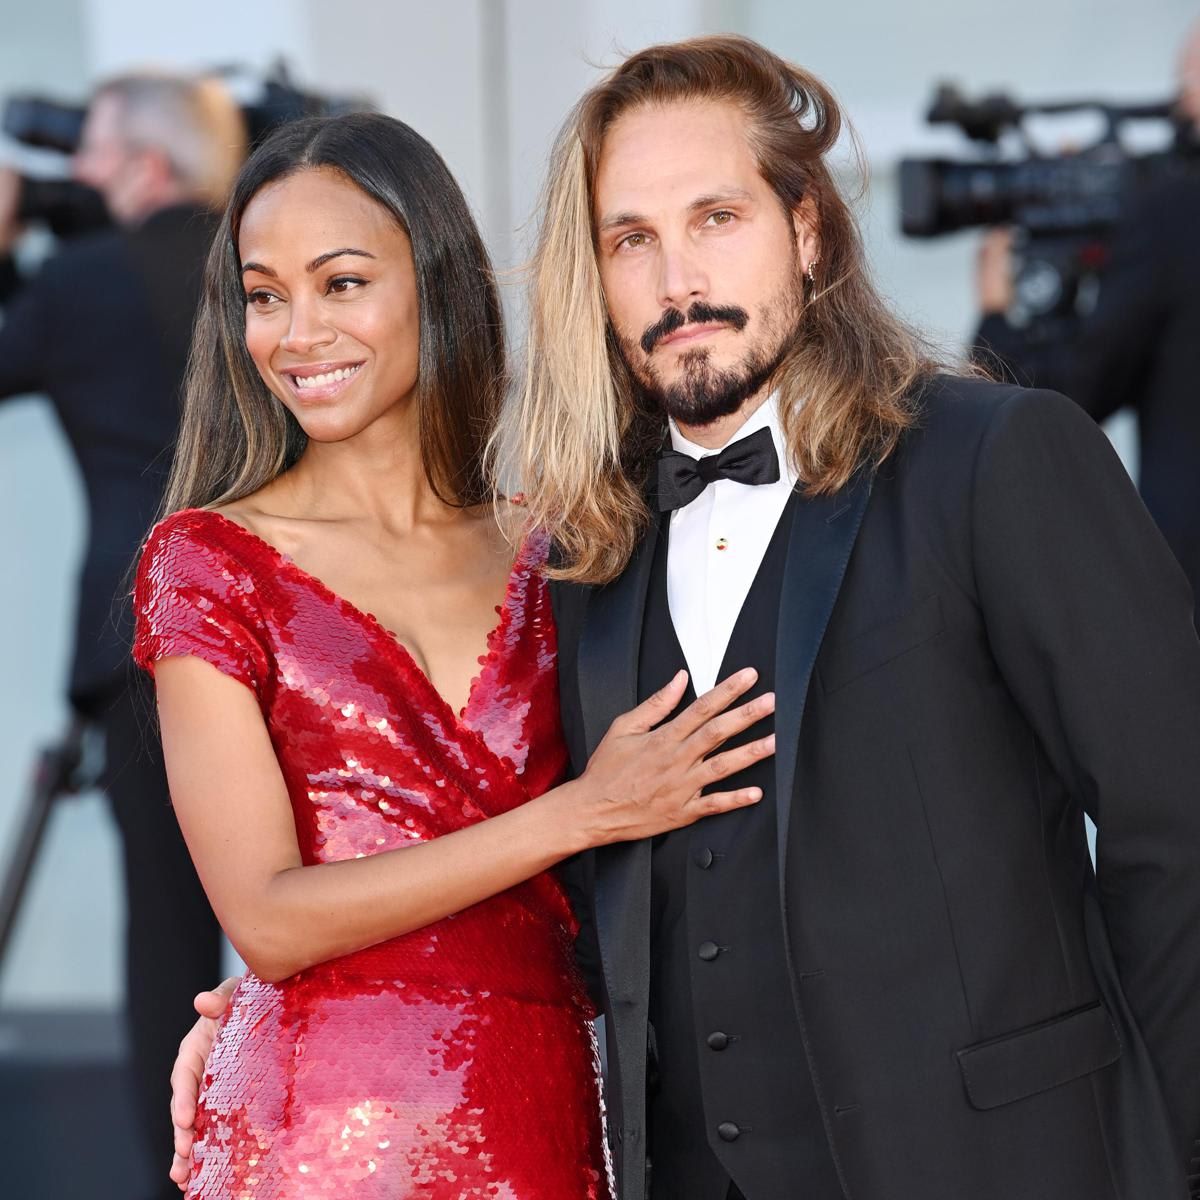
(1139, 347)
(103, 330)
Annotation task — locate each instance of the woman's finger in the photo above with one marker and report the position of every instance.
(653, 710)
(728, 724)
(712, 703)
(730, 762)
(709, 805)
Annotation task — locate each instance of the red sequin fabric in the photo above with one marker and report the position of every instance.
(457, 1061)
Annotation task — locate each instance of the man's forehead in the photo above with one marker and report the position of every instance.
(674, 155)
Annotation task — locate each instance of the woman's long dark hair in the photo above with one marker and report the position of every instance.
(235, 436)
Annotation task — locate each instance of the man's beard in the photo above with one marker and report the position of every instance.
(704, 394)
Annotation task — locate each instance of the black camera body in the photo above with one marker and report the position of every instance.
(68, 208)
(1062, 207)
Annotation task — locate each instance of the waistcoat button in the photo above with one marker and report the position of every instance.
(718, 1040)
(708, 951)
(727, 1131)
(703, 858)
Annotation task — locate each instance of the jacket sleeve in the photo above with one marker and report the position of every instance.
(1090, 620)
(25, 329)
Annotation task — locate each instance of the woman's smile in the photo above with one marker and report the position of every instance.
(320, 381)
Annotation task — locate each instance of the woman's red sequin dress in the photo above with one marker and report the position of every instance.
(457, 1061)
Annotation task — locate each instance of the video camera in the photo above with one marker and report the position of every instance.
(69, 208)
(1062, 206)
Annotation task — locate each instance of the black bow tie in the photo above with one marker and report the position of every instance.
(681, 478)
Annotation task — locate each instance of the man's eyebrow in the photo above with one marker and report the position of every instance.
(724, 196)
(620, 220)
(316, 264)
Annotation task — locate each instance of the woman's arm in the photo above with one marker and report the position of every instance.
(283, 916)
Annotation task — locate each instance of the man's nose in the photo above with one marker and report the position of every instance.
(682, 278)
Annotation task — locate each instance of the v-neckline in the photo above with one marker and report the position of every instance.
(372, 622)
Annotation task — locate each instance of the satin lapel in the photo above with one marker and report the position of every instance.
(608, 660)
(823, 533)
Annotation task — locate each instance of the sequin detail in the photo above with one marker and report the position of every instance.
(458, 1061)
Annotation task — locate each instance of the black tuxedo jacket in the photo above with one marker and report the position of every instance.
(103, 330)
(976, 645)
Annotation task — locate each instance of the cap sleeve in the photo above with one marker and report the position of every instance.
(193, 597)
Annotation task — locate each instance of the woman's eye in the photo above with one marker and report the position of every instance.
(633, 241)
(259, 299)
(344, 283)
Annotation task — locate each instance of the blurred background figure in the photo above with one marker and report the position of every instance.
(1136, 341)
(103, 330)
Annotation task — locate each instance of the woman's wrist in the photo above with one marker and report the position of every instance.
(564, 818)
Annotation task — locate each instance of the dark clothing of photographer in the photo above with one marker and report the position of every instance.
(1139, 348)
(103, 330)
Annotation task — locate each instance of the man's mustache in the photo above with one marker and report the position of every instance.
(699, 314)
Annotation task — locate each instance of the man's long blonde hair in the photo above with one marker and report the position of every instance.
(581, 434)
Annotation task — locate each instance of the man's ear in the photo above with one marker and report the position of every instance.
(158, 168)
(805, 223)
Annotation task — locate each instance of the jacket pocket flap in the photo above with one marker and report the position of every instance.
(845, 663)
(1041, 1057)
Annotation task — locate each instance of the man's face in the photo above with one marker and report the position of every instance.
(106, 161)
(701, 265)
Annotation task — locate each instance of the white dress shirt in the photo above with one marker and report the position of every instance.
(716, 546)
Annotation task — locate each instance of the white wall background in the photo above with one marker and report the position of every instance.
(487, 81)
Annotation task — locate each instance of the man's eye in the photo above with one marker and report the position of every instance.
(721, 218)
(633, 240)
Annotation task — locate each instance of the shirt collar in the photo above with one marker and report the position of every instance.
(766, 416)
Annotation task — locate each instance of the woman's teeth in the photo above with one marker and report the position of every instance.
(310, 381)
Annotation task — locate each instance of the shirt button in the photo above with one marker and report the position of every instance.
(703, 858)
(708, 951)
(727, 1131)
(718, 1040)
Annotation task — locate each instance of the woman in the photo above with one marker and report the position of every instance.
(367, 779)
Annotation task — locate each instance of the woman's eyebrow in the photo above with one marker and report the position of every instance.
(315, 265)
(322, 259)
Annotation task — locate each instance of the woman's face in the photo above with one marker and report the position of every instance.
(331, 303)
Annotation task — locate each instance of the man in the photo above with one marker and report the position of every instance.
(103, 330)
(896, 977)
(1140, 346)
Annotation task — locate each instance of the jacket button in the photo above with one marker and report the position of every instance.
(727, 1131)
(708, 951)
(703, 858)
(718, 1040)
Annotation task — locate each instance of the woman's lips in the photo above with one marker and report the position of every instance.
(320, 381)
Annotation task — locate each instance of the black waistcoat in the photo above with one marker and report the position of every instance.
(733, 1098)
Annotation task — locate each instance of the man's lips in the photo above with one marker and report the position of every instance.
(692, 333)
(318, 381)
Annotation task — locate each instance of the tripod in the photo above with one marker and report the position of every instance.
(70, 766)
